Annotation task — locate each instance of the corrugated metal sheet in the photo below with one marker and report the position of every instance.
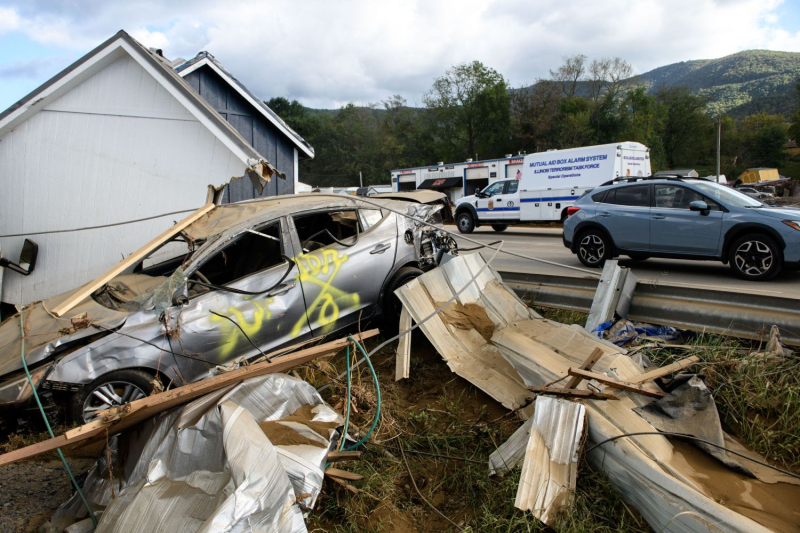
(117, 147)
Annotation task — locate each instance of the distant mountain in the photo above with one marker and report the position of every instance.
(739, 84)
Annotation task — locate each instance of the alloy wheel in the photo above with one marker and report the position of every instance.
(110, 394)
(753, 258)
(592, 249)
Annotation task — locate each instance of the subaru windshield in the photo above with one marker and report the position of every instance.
(726, 195)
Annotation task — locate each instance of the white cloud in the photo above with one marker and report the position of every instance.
(328, 53)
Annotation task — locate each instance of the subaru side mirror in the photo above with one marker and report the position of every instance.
(27, 259)
(699, 205)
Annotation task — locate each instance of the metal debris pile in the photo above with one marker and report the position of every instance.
(592, 401)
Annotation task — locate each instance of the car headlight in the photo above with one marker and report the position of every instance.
(18, 390)
(794, 224)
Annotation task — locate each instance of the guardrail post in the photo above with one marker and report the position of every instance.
(614, 294)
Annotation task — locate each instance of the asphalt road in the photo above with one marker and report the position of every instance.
(545, 243)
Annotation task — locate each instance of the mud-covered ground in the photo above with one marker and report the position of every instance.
(31, 490)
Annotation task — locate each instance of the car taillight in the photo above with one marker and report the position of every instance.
(572, 210)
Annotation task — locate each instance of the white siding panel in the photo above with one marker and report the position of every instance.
(117, 147)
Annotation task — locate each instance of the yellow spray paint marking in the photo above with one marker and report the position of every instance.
(233, 336)
(327, 302)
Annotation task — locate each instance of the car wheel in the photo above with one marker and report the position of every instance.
(593, 248)
(391, 303)
(638, 257)
(499, 227)
(755, 257)
(110, 390)
(465, 223)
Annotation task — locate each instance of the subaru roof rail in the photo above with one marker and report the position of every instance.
(667, 177)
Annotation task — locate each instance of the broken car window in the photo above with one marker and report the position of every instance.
(370, 217)
(251, 252)
(319, 230)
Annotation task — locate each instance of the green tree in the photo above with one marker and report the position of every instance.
(687, 134)
(794, 126)
(470, 108)
(768, 146)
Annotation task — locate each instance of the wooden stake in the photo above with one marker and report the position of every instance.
(343, 456)
(573, 393)
(403, 363)
(666, 370)
(343, 474)
(594, 357)
(611, 382)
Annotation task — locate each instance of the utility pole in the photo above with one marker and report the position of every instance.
(361, 181)
(719, 136)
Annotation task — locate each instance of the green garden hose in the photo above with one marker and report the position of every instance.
(377, 391)
(47, 422)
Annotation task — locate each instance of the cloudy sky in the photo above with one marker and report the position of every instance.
(328, 53)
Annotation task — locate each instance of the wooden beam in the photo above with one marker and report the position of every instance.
(343, 456)
(343, 474)
(666, 370)
(403, 362)
(128, 262)
(572, 393)
(594, 357)
(118, 419)
(611, 382)
(344, 484)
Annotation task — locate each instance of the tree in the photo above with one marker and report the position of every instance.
(687, 133)
(470, 105)
(794, 126)
(534, 113)
(570, 73)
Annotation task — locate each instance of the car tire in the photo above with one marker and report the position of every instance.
(499, 227)
(465, 222)
(391, 306)
(593, 248)
(127, 385)
(755, 257)
(638, 257)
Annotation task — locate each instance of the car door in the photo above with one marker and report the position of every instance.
(674, 228)
(489, 207)
(625, 213)
(217, 325)
(346, 256)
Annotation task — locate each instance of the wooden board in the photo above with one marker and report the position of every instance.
(595, 356)
(128, 262)
(666, 370)
(611, 382)
(403, 362)
(119, 419)
(343, 474)
(573, 393)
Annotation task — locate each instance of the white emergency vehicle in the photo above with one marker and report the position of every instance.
(550, 182)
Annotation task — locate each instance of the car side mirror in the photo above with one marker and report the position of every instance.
(699, 205)
(27, 259)
(479, 194)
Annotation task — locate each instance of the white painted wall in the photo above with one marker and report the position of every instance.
(115, 148)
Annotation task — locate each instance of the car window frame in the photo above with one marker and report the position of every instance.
(504, 185)
(508, 186)
(647, 186)
(707, 199)
(384, 215)
(205, 255)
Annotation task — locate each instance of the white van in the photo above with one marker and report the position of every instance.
(550, 183)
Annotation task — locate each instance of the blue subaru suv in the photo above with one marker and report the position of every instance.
(683, 219)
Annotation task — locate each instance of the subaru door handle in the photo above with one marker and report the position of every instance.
(605, 214)
(659, 217)
(380, 248)
(282, 289)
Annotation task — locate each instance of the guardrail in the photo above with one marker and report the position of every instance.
(726, 313)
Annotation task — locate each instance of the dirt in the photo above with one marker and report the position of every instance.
(32, 490)
(281, 434)
(470, 316)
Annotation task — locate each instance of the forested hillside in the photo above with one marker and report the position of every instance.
(741, 84)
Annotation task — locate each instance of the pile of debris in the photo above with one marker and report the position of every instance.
(593, 401)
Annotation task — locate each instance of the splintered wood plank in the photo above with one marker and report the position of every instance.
(594, 357)
(129, 261)
(611, 382)
(403, 361)
(119, 419)
(343, 474)
(573, 393)
(336, 456)
(666, 370)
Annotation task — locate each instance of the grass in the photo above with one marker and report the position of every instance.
(436, 412)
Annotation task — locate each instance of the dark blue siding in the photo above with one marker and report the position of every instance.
(255, 129)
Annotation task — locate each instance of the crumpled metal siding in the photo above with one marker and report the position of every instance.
(208, 466)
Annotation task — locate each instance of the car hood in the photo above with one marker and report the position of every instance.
(46, 334)
(784, 213)
(466, 199)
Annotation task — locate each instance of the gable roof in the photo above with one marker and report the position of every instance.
(203, 59)
(103, 55)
